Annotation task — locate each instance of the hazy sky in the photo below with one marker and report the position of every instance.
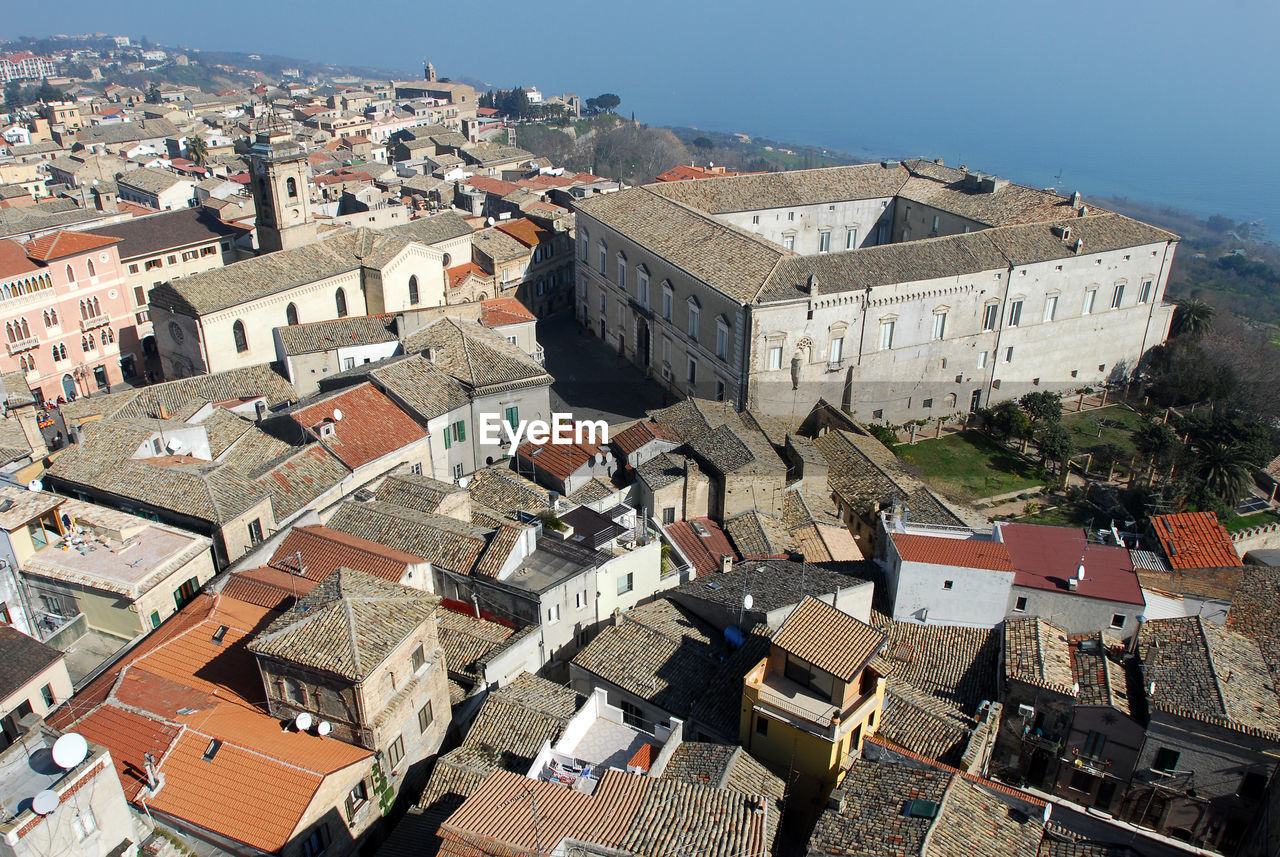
(1167, 101)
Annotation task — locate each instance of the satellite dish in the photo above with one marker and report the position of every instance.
(748, 602)
(323, 728)
(173, 445)
(1080, 572)
(1048, 811)
(35, 485)
(490, 221)
(337, 415)
(70, 750)
(303, 721)
(45, 802)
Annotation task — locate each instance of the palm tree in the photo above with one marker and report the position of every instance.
(197, 148)
(1192, 318)
(1223, 471)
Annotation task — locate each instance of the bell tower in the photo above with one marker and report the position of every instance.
(278, 167)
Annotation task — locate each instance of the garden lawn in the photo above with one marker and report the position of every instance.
(969, 465)
(1120, 424)
(1244, 522)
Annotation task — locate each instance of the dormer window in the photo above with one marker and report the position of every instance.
(325, 429)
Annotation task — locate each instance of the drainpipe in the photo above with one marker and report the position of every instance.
(995, 354)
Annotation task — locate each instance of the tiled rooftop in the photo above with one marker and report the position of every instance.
(1195, 540)
(830, 639)
(1037, 653)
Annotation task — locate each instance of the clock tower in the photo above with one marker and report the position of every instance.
(278, 179)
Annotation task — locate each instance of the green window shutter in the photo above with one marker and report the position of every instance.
(513, 416)
(448, 430)
(462, 430)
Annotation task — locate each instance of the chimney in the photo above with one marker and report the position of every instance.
(726, 563)
(1075, 199)
(813, 284)
(431, 355)
(164, 412)
(155, 779)
(260, 411)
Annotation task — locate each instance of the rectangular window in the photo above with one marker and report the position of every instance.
(190, 255)
(693, 371)
(1090, 298)
(348, 363)
(668, 515)
(1166, 760)
(418, 658)
(1008, 354)
(755, 220)
(886, 335)
(1144, 294)
(935, 223)
(939, 325)
(1020, 604)
(789, 242)
(416, 469)
(722, 341)
(1117, 620)
(604, 262)
(1117, 297)
(315, 844)
(762, 726)
(139, 296)
(553, 614)
(358, 797)
(582, 248)
(133, 269)
(982, 359)
(622, 274)
(990, 315)
(948, 584)
(1015, 313)
(666, 350)
(459, 431)
(643, 280)
(208, 251)
(425, 717)
(255, 531)
(153, 264)
(395, 752)
(775, 357)
(1093, 745)
(512, 415)
(457, 471)
(693, 322)
(851, 239)
(720, 390)
(667, 301)
(824, 241)
(579, 600)
(626, 583)
(1050, 307)
(604, 305)
(837, 349)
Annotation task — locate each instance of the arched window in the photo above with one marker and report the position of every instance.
(84, 312)
(237, 331)
(97, 311)
(92, 271)
(53, 314)
(413, 291)
(291, 314)
(447, 260)
(62, 352)
(340, 299)
(46, 319)
(8, 332)
(84, 343)
(54, 349)
(71, 274)
(26, 331)
(108, 335)
(291, 187)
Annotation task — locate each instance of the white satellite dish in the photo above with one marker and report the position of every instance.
(35, 485)
(748, 602)
(70, 750)
(173, 445)
(45, 802)
(337, 415)
(490, 221)
(323, 728)
(303, 721)
(1048, 811)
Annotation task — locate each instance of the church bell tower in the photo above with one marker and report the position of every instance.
(278, 180)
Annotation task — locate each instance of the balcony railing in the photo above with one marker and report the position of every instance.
(95, 321)
(20, 345)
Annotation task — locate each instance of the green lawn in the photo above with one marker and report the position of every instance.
(1244, 522)
(1114, 425)
(969, 465)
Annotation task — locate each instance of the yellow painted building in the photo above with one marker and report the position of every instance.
(809, 704)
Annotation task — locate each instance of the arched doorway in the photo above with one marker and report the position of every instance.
(149, 348)
(68, 387)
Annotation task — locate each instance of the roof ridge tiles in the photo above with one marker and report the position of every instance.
(1213, 669)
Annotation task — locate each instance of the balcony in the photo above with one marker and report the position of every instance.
(20, 345)
(95, 321)
(540, 355)
(802, 707)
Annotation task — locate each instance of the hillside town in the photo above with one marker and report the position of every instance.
(867, 531)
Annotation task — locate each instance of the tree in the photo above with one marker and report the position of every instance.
(608, 102)
(1192, 318)
(1055, 443)
(1042, 406)
(1007, 421)
(1158, 442)
(197, 148)
(153, 94)
(703, 143)
(12, 96)
(1222, 473)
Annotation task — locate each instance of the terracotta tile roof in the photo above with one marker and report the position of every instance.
(477, 356)
(329, 335)
(491, 185)
(466, 639)
(14, 260)
(1096, 668)
(703, 551)
(372, 426)
(1208, 673)
(496, 312)
(637, 435)
(962, 553)
(1195, 540)
(923, 724)
(346, 625)
(1255, 611)
(458, 273)
(723, 766)
(423, 388)
(525, 231)
(415, 491)
(1047, 557)
(519, 717)
(443, 541)
(176, 692)
(828, 638)
(1037, 654)
(757, 535)
(506, 491)
(297, 479)
(560, 460)
(57, 245)
(323, 551)
(953, 664)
